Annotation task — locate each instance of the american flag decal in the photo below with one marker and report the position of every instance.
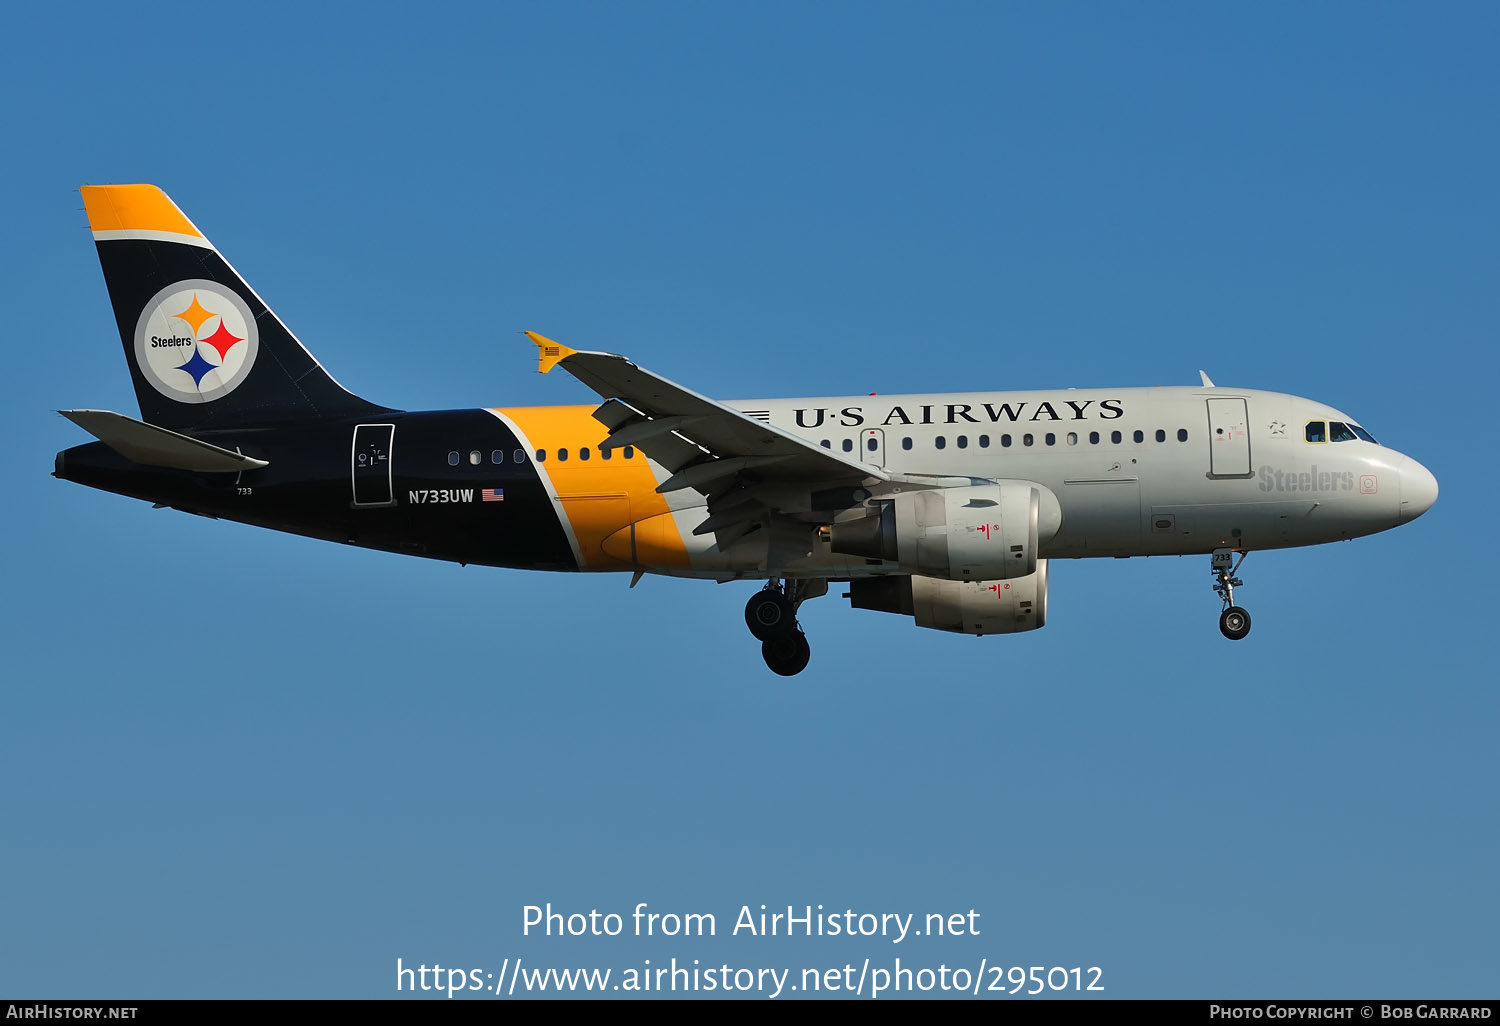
(492, 495)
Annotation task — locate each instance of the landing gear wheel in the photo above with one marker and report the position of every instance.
(1234, 623)
(769, 614)
(787, 654)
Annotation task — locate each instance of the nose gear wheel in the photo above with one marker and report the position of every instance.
(1234, 621)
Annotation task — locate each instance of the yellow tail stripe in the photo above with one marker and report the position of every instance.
(123, 208)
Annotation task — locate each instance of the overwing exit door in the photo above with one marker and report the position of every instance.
(370, 465)
(872, 446)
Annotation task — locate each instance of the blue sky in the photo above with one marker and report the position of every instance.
(238, 763)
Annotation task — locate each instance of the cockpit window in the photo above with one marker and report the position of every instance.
(1336, 431)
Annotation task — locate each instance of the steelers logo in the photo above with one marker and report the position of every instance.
(196, 341)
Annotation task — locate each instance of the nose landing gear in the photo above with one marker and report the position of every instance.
(1234, 621)
(771, 615)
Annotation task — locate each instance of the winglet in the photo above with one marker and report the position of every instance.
(549, 353)
(1206, 382)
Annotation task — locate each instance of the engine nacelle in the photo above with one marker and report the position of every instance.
(980, 532)
(963, 607)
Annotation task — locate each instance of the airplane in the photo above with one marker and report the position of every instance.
(944, 508)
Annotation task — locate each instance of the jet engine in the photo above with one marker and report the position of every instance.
(963, 607)
(979, 532)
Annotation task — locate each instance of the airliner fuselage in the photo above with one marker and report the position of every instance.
(1136, 471)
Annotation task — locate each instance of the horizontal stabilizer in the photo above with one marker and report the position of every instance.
(157, 447)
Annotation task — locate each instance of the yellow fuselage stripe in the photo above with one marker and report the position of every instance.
(599, 497)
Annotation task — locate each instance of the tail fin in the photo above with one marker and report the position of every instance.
(203, 349)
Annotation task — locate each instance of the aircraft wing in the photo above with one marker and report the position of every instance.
(750, 471)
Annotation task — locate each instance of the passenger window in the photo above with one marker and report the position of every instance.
(1161, 436)
(872, 444)
(848, 445)
(630, 452)
(474, 458)
(825, 443)
(519, 455)
(940, 442)
(963, 441)
(562, 455)
(1115, 436)
(1026, 439)
(1093, 438)
(1182, 434)
(541, 455)
(1339, 432)
(1139, 436)
(1072, 437)
(1315, 431)
(453, 459)
(583, 453)
(1051, 438)
(906, 443)
(984, 441)
(604, 453)
(1005, 441)
(497, 456)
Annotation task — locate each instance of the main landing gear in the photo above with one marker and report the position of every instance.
(1234, 621)
(771, 615)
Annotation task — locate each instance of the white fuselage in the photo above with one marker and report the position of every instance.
(1137, 471)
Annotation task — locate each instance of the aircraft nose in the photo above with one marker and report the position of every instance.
(1419, 490)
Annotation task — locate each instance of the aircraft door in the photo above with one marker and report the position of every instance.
(370, 465)
(1228, 438)
(872, 446)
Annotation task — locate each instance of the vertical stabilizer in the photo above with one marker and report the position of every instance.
(203, 349)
